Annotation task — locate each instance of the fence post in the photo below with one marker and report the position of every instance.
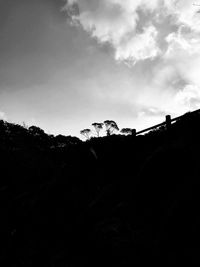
(133, 132)
(168, 122)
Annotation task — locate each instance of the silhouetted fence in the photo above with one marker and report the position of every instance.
(167, 123)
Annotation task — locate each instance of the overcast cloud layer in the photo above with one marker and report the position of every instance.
(164, 32)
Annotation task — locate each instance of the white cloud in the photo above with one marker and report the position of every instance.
(187, 14)
(189, 97)
(151, 112)
(115, 22)
(140, 47)
(166, 31)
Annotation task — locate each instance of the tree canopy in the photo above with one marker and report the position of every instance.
(111, 126)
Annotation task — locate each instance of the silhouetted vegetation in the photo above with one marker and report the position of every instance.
(86, 133)
(98, 127)
(117, 200)
(111, 127)
(126, 131)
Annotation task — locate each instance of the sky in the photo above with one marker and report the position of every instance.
(67, 64)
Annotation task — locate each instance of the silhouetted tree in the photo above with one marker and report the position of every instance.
(62, 140)
(73, 140)
(86, 133)
(98, 127)
(111, 126)
(36, 130)
(126, 131)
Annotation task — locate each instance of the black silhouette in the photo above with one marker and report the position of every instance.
(98, 127)
(117, 200)
(111, 126)
(86, 133)
(126, 131)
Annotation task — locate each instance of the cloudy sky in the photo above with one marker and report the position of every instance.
(67, 64)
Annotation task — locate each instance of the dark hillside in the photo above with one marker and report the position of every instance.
(116, 200)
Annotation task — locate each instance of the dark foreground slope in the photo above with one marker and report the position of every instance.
(116, 201)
